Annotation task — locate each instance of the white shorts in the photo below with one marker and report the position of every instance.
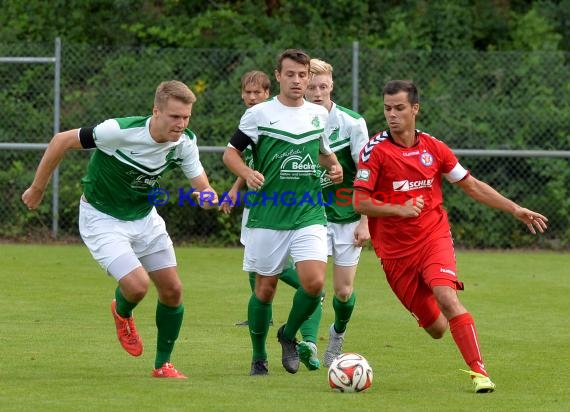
(267, 251)
(340, 240)
(109, 239)
(244, 228)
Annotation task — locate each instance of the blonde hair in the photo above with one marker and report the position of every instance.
(173, 89)
(319, 66)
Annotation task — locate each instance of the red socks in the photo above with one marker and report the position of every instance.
(465, 336)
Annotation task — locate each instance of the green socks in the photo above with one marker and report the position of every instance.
(124, 307)
(303, 306)
(310, 328)
(343, 312)
(168, 323)
(258, 314)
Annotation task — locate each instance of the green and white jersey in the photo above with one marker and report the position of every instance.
(128, 163)
(286, 146)
(347, 135)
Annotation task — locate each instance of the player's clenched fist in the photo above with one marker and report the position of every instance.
(412, 207)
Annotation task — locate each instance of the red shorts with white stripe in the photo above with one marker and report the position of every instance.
(413, 277)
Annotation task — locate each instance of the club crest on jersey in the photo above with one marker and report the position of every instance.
(426, 158)
(171, 154)
(316, 121)
(363, 174)
(334, 134)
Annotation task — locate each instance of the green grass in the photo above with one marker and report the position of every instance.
(59, 352)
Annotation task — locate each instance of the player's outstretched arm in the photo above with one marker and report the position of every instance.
(52, 157)
(485, 194)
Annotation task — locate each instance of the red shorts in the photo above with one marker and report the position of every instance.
(412, 278)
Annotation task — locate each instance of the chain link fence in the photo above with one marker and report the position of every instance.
(501, 101)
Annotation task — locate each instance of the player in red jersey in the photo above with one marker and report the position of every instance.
(399, 186)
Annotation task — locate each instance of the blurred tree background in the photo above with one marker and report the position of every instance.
(483, 25)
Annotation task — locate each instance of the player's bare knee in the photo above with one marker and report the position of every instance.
(265, 291)
(171, 294)
(314, 288)
(264, 295)
(135, 292)
(134, 288)
(314, 291)
(451, 308)
(448, 301)
(343, 294)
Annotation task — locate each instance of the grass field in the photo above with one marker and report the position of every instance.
(59, 351)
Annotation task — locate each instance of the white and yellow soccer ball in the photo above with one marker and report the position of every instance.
(350, 372)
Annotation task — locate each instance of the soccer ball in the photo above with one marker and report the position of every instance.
(350, 372)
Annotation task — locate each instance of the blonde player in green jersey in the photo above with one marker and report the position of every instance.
(117, 219)
(255, 88)
(347, 230)
(287, 137)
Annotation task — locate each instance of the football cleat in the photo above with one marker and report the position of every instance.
(259, 367)
(481, 383)
(308, 355)
(334, 347)
(167, 370)
(126, 332)
(289, 355)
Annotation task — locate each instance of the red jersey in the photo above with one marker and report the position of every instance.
(393, 174)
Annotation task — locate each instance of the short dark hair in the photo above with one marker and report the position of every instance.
(296, 55)
(397, 86)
